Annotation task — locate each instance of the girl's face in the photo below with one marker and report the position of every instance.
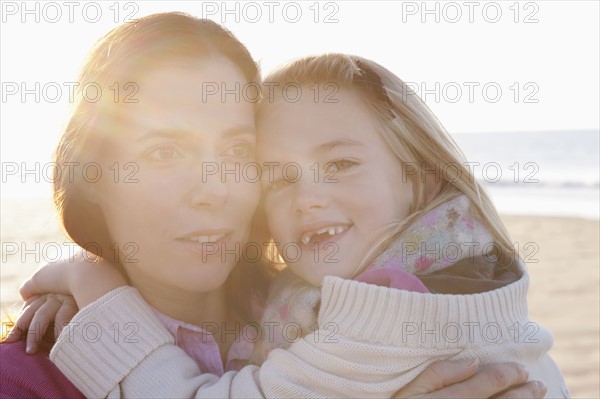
(178, 222)
(351, 188)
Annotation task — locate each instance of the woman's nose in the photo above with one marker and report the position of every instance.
(210, 190)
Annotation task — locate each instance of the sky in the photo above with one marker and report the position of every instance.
(481, 66)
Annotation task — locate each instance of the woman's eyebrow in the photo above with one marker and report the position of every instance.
(179, 134)
(164, 133)
(238, 131)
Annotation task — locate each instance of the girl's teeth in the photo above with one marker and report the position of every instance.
(331, 230)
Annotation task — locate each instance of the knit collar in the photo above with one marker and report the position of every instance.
(443, 236)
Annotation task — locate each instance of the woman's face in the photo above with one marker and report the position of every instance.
(178, 220)
(351, 187)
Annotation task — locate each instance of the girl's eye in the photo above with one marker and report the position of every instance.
(338, 166)
(164, 153)
(241, 150)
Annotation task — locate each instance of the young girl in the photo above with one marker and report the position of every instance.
(385, 198)
(385, 194)
(173, 131)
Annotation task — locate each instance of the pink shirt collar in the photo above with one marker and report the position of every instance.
(201, 345)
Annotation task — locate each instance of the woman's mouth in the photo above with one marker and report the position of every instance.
(205, 243)
(204, 239)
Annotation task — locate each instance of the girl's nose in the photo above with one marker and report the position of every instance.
(309, 196)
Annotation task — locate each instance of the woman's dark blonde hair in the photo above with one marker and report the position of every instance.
(119, 58)
(430, 158)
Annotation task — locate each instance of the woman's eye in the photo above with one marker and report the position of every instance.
(278, 184)
(338, 166)
(242, 150)
(164, 153)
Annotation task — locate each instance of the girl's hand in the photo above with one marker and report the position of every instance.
(85, 278)
(466, 379)
(37, 315)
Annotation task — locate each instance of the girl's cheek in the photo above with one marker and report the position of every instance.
(275, 216)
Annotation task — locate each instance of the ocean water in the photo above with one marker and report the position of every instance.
(538, 173)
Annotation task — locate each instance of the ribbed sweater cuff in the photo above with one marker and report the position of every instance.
(388, 316)
(107, 339)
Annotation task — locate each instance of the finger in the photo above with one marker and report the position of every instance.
(24, 319)
(48, 278)
(28, 289)
(64, 315)
(40, 322)
(532, 389)
(15, 334)
(439, 375)
(489, 381)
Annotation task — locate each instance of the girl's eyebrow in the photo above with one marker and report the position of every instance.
(337, 143)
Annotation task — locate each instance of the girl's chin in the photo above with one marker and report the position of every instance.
(314, 273)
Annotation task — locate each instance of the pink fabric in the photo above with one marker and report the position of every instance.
(201, 345)
(31, 376)
(392, 278)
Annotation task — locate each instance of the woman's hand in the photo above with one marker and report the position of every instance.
(84, 277)
(42, 312)
(467, 379)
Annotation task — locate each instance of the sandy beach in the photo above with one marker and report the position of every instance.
(564, 292)
(562, 256)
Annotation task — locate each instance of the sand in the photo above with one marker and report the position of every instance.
(564, 292)
(562, 256)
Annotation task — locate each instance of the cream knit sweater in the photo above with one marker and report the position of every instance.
(372, 341)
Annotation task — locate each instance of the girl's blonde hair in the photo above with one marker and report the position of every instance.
(431, 160)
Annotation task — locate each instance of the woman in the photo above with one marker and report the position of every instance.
(160, 226)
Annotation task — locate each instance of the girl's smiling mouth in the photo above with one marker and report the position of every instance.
(329, 232)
